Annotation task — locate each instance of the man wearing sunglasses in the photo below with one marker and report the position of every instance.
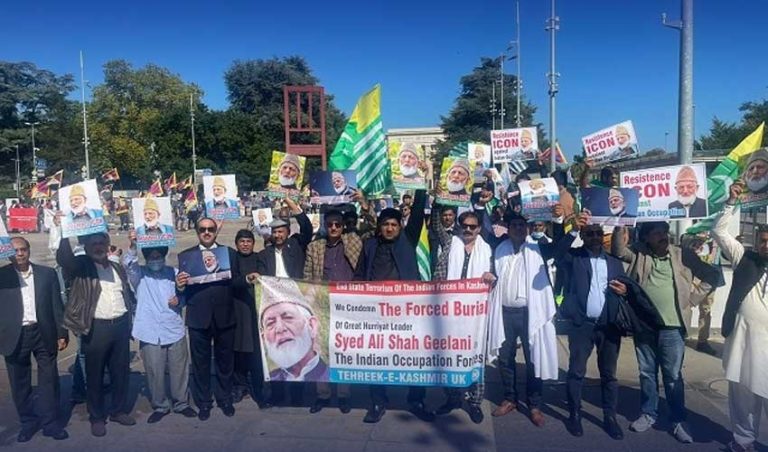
(463, 256)
(210, 318)
(591, 273)
(333, 258)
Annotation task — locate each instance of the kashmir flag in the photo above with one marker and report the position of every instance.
(422, 255)
(545, 156)
(156, 189)
(191, 200)
(729, 170)
(55, 179)
(170, 183)
(460, 150)
(110, 175)
(362, 146)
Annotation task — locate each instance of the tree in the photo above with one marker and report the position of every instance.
(470, 118)
(727, 135)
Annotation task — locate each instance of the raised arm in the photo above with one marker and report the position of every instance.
(437, 228)
(619, 246)
(413, 228)
(731, 248)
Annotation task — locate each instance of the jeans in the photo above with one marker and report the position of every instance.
(663, 349)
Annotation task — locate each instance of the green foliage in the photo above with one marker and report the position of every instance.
(727, 135)
(470, 118)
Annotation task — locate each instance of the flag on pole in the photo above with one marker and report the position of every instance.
(728, 171)
(190, 201)
(55, 179)
(362, 146)
(545, 156)
(40, 190)
(110, 175)
(184, 184)
(170, 183)
(422, 255)
(156, 189)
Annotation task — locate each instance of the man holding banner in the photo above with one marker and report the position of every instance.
(391, 256)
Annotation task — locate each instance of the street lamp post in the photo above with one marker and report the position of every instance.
(34, 150)
(18, 174)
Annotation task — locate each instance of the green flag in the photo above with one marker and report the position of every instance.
(422, 255)
(724, 175)
(362, 146)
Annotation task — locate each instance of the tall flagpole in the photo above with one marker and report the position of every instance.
(194, 151)
(87, 168)
(553, 24)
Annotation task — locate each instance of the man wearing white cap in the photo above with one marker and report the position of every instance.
(220, 199)
(408, 159)
(457, 177)
(152, 225)
(526, 145)
(288, 172)
(756, 173)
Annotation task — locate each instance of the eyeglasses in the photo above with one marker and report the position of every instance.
(593, 233)
(333, 224)
(203, 230)
(471, 227)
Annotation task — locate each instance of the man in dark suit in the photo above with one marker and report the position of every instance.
(210, 317)
(31, 325)
(591, 273)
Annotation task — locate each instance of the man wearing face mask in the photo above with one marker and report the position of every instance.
(159, 327)
(664, 272)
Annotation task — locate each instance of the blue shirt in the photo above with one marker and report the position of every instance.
(155, 323)
(597, 286)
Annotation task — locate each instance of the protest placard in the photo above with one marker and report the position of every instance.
(153, 220)
(382, 203)
(332, 187)
(262, 217)
(755, 178)
(612, 143)
(538, 196)
(82, 210)
(669, 192)
(611, 206)
(6, 249)
(286, 175)
(510, 145)
(221, 201)
(455, 182)
(205, 266)
(406, 160)
(394, 332)
(480, 154)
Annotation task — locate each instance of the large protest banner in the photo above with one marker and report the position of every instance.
(153, 220)
(669, 192)
(611, 206)
(455, 184)
(391, 332)
(22, 219)
(510, 145)
(538, 197)
(286, 175)
(405, 160)
(221, 201)
(612, 143)
(6, 249)
(81, 206)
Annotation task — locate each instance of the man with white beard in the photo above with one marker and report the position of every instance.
(210, 262)
(688, 205)
(616, 203)
(409, 161)
(457, 177)
(340, 186)
(152, 225)
(288, 171)
(79, 210)
(220, 199)
(756, 174)
(289, 330)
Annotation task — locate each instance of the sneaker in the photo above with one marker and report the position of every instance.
(643, 423)
(475, 413)
(680, 433)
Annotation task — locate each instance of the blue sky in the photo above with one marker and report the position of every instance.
(616, 60)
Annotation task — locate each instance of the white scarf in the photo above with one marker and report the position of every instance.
(479, 263)
(534, 285)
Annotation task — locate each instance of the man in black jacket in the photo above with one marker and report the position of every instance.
(210, 317)
(391, 256)
(592, 274)
(31, 324)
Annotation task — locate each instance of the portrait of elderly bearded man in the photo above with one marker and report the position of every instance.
(526, 145)
(288, 171)
(408, 160)
(623, 139)
(290, 331)
(210, 261)
(687, 204)
(79, 210)
(340, 186)
(458, 177)
(152, 225)
(616, 203)
(756, 173)
(220, 198)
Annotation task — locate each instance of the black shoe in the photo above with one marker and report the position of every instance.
(344, 406)
(447, 407)
(188, 412)
(318, 405)
(374, 414)
(237, 395)
(418, 410)
(574, 425)
(228, 410)
(204, 414)
(612, 427)
(155, 417)
(264, 404)
(58, 435)
(26, 434)
(475, 413)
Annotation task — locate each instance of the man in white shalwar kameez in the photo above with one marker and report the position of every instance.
(745, 327)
